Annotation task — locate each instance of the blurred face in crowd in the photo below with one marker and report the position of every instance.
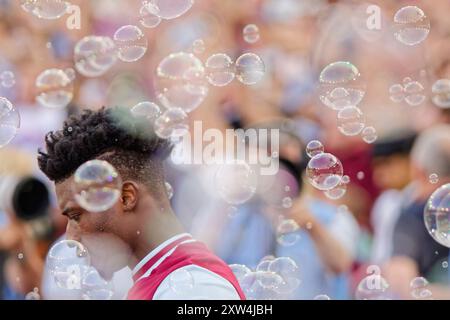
(391, 172)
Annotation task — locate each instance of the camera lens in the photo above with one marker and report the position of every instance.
(30, 199)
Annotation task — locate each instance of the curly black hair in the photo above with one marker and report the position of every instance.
(110, 134)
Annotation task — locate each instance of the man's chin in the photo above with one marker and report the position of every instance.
(108, 253)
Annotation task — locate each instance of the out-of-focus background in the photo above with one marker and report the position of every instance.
(375, 228)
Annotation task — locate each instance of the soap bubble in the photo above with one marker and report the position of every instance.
(147, 110)
(236, 182)
(350, 121)
(397, 93)
(338, 191)
(288, 270)
(341, 85)
(9, 122)
(97, 186)
(419, 289)
(94, 55)
(33, 295)
(369, 134)
(324, 171)
(441, 93)
(251, 33)
(433, 178)
(148, 14)
(219, 69)
(180, 81)
(173, 123)
(169, 190)
(198, 46)
(55, 89)
(94, 287)
(171, 9)
(70, 73)
(287, 232)
(314, 148)
(181, 281)
(239, 271)
(414, 93)
(372, 287)
(250, 68)
(131, 43)
(7, 79)
(437, 215)
(67, 261)
(360, 175)
(45, 9)
(411, 25)
(263, 265)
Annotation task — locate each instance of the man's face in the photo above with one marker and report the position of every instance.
(104, 234)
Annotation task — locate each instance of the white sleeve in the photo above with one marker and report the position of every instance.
(345, 229)
(206, 286)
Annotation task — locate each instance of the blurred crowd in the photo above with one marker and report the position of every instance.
(379, 221)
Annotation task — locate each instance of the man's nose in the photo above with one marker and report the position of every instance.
(73, 231)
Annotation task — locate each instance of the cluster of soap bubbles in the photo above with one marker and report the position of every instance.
(441, 93)
(94, 55)
(236, 182)
(69, 264)
(419, 289)
(9, 122)
(410, 91)
(46, 9)
(249, 69)
(325, 171)
(437, 215)
(411, 25)
(97, 186)
(373, 287)
(273, 278)
(7, 79)
(288, 232)
(54, 88)
(172, 123)
(341, 88)
(130, 42)
(341, 85)
(180, 81)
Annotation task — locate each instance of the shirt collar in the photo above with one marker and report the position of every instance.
(158, 249)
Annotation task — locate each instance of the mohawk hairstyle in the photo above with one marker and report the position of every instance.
(110, 134)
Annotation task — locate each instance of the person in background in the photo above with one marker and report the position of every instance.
(326, 249)
(391, 173)
(415, 252)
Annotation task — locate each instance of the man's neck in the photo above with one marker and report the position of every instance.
(162, 227)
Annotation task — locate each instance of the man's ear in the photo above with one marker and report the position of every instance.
(130, 194)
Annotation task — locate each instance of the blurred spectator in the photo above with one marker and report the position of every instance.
(391, 172)
(415, 252)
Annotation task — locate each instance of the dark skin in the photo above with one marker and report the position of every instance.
(124, 234)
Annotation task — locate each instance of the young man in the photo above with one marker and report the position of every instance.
(141, 230)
